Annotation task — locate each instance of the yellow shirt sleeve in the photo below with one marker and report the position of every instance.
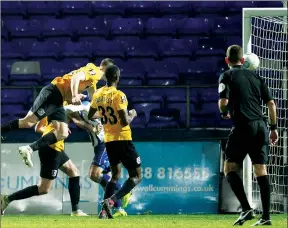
(121, 101)
(92, 72)
(94, 103)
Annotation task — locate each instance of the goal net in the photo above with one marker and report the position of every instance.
(269, 40)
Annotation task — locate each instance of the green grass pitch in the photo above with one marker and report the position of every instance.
(151, 221)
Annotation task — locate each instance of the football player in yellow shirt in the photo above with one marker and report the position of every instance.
(50, 101)
(52, 157)
(112, 104)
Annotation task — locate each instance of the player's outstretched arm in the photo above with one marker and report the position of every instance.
(76, 97)
(125, 117)
(76, 118)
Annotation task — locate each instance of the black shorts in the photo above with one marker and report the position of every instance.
(49, 102)
(51, 160)
(251, 138)
(123, 152)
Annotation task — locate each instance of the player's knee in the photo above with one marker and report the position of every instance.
(26, 123)
(72, 171)
(95, 174)
(42, 189)
(260, 170)
(230, 167)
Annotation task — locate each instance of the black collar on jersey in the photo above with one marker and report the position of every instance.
(237, 66)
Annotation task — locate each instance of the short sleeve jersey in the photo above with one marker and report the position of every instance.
(92, 75)
(58, 146)
(245, 90)
(108, 101)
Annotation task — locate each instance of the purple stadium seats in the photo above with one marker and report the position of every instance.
(197, 72)
(194, 26)
(12, 50)
(22, 28)
(4, 30)
(205, 7)
(236, 6)
(211, 47)
(108, 7)
(209, 95)
(13, 8)
(90, 27)
(139, 122)
(12, 109)
(4, 75)
(74, 7)
(231, 40)
(42, 8)
(44, 49)
(126, 40)
(162, 73)
(141, 48)
(142, 106)
(127, 26)
(57, 27)
(178, 102)
(164, 118)
(51, 69)
(77, 49)
(109, 49)
(140, 7)
(269, 4)
(74, 63)
(229, 26)
(177, 47)
(161, 26)
(177, 7)
(15, 96)
(132, 70)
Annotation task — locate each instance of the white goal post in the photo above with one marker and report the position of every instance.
(264, 33)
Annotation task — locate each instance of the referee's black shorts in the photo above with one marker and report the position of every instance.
(251, 138)
(123, 152)
(51, 160)
(49, 102)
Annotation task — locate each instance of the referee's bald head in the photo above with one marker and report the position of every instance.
(234, 54)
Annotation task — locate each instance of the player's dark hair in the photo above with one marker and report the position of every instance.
(112, 73)
(234, 53)
(107, 62)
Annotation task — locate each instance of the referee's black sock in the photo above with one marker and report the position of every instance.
(24, 193)
(74, 191)
(46, 140)
(264, 186)
(10, 126)
(238, 189)
(110, 188)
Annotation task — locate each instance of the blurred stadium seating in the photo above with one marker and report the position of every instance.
(168, 47)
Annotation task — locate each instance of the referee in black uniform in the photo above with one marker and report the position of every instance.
(240, 94)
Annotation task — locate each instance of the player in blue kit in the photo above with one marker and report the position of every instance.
(100, 167)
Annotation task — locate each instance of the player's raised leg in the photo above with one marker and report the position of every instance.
(74, 187)
(60, 132)
(230, 170)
